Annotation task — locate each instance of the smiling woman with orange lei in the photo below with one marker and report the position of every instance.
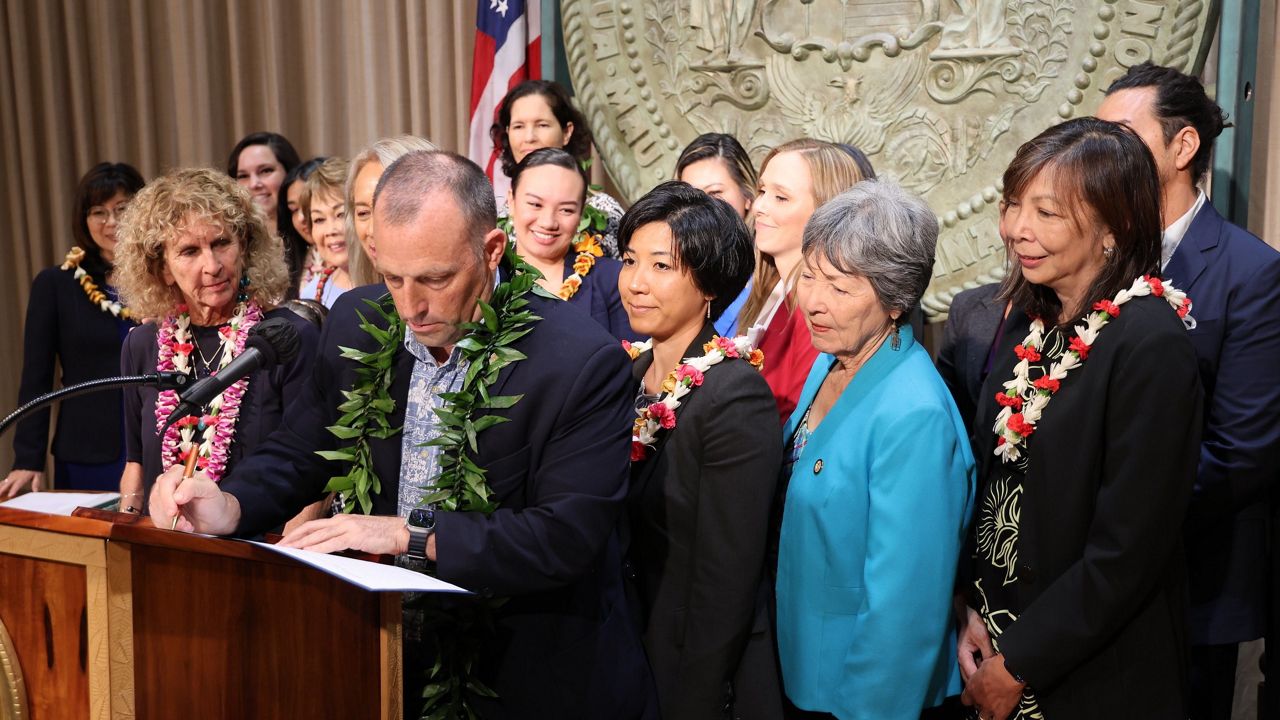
(547, 193)
(197, 256)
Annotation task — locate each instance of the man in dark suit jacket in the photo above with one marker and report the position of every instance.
(973, 323)
(566, 645)
(1233, 279)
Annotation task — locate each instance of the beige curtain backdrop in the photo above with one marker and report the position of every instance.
(1264, 189)
(171, 83)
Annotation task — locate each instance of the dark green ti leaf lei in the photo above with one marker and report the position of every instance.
(365, 409)
(460, 486)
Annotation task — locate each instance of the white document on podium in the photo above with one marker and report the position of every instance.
(61, 503)
(371, 576)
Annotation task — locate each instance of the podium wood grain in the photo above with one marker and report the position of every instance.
(157, 624)
(43, 606)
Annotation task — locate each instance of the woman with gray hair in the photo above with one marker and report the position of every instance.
(881, 475)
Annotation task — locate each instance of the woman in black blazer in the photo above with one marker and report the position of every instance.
(73, 320)
(1077, 601)
(706, 455)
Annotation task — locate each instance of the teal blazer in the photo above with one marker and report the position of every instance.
(874, 520)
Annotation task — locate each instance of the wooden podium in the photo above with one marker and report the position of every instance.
(113, 620)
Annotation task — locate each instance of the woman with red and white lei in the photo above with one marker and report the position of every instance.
(196, 256)
(1076, 604)
(705, 459)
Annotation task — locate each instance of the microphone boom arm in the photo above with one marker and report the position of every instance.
(162, 380)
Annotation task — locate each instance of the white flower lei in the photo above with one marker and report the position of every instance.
(175, 342)
(1024, 401)
(680, 382)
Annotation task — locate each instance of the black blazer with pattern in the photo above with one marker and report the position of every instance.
(1101, 629)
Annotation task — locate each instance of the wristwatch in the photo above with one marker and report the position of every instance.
(420, 524)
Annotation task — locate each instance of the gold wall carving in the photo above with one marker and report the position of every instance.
(13, 691)
(938, 93)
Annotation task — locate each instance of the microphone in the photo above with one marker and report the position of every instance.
(270, 342)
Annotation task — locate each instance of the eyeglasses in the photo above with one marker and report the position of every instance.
(100, 214)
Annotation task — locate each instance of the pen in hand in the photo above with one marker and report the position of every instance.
(188, 470)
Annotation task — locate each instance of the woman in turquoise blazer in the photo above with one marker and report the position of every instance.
(882, 476)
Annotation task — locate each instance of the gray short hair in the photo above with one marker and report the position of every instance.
(881, 232)
(407, 182)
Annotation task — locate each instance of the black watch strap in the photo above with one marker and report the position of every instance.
(420, 524)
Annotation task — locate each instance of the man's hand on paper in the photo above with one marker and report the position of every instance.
(374, 534)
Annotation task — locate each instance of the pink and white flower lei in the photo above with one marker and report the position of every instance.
(661, 415)
(1023, 401)
(218, 427)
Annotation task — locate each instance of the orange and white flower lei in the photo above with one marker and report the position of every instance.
(91, 289)
(588, 248)
(1023, 401)
(661, 415)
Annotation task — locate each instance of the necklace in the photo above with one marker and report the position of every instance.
(208, 364)
(661, 414)
(217, 428)
(588, 248)
(325, 274)
(1023, 402)
(91, 289)
(312, 265)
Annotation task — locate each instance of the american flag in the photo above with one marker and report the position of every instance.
(508, 51)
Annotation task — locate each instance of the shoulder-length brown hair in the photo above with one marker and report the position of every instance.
(833, 171)
(164, 210)
(1107, 177)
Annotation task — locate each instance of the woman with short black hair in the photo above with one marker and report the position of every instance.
(705, 459)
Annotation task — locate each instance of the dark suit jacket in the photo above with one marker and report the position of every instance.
(699, 511)
(598, 295)
(1233, 279)
(566, 646)
(64, 327)
(971, 327)
(266, 399)
(1101, 616)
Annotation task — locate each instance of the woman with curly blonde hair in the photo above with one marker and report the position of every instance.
(195, 256)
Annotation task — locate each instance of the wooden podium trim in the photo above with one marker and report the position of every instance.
(120, 622)
(72, 549)
(108, 610)
(390, 647)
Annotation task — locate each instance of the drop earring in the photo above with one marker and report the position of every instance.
(244, 289)
(895, 342)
